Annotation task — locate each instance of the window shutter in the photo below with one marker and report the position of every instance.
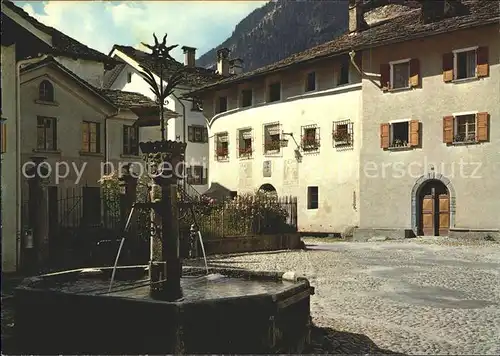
(482, 62)
(414, 72)
(384, 135)
(189, 175)
(447, 67)
(482, 126)
(98, 137)
(3, 137)
(54, 137)
(190, 133)
(414, 133)
(205, 134)
(448, 122)
(85, 137)
(385, 76)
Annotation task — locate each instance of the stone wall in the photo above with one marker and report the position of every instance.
(253, 243)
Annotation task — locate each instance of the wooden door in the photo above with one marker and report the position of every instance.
(444, 214)
(428, 228)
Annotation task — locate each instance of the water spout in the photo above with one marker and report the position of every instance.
(125, 230)
(203, 250)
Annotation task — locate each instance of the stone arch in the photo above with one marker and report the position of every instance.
(419, 183)
(268, 188)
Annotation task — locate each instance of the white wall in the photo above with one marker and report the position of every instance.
(332, 170)
(9, 171)
(91, 71)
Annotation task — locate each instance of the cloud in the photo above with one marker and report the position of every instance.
(200, 24)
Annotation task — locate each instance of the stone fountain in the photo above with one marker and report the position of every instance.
(162, 308)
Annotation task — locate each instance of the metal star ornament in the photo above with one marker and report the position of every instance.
(160, 50)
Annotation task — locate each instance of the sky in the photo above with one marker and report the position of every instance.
(101, 24)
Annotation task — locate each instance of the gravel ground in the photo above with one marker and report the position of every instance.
(423, 296)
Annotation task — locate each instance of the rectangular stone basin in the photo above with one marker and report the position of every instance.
(229, 311)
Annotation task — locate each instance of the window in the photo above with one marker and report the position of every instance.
(342, 133)
(311, 81)
(46, 91)
(222, 146)
(221, 104)
(197, 134)
(310, 138)
(91, 137)
(46, 130)
(245, 143)
(312, 198)
(246, 98)
(400, 74)
(91, 205)
(465, 64)
(274, 92)
(344, 71)
(130, 140)
(129, 77)
(197, 175)
(466, 128)
(400, 134)
(272, 138)
(197, 105)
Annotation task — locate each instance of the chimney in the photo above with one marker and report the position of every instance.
(236, 66)
(223, 61)
(356, 16)
(189, 56)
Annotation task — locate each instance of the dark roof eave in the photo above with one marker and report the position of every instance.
(220, 86)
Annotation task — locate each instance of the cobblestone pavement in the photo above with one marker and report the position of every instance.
(413, 297)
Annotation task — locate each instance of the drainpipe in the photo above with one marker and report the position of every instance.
(18, 151)
(106, 151)
(183, 134)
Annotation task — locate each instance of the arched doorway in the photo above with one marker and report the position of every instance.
(433, 208)
(268, 188)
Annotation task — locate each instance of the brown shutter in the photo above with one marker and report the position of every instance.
(448, 129)
(482, 62)
(3, 137)
(414, 72)
(414, 133)
(447, 67)
(205, 134)
(482, 126)
(385, 76)
(384, 135)
(190, 133)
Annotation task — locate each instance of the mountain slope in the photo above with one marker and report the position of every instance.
(280, 29)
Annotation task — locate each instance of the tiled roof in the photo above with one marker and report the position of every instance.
(405, 27)
(127, 99)
(195, 76)
(61, 43)
(111, 75)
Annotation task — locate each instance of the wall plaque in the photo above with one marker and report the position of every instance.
(266, 169)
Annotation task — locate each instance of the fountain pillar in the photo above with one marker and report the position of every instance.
(165, 267)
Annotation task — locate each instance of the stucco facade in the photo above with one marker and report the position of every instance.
(390, 179)
(8, 201)
(332, 169)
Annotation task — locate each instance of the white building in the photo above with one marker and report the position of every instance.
(190, 125)
(380, 116)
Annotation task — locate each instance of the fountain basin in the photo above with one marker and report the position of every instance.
(229, 311)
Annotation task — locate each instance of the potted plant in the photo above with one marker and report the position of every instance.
(341, 137)
(272, 145)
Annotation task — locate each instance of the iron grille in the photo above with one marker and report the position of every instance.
(310, 138)
(343, 133)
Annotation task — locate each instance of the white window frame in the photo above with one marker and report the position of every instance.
(240, 101)
(455, 124)
(268, 91)
(391, 132)
(315, 81)
(455, 61)
(401, 61)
